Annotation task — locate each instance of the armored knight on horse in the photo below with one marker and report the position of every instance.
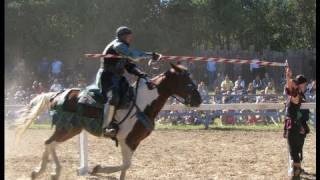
(110, 74)
(74, 110)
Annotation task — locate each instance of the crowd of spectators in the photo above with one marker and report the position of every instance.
(54, 75)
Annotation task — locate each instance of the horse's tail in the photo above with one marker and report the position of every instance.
(30, 112)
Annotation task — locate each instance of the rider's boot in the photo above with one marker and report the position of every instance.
(109, 131)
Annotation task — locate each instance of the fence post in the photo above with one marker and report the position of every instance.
(83, 151)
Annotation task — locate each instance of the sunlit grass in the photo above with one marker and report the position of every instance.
(215, 126)
(271, 127)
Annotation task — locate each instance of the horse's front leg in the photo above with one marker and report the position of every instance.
(126, 158)
(126, 162)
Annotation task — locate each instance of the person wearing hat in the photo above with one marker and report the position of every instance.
(111, 73)
(295, 128)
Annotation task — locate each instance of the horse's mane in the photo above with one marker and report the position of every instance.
(158, 78)
(182, 67)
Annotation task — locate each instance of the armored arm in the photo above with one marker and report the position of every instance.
(124, 50)
(133, 69)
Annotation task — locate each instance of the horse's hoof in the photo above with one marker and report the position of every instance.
(95, 169)
(54, 177)
(295, 178)
(33, 175)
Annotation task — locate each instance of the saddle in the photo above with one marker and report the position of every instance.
(90, 102)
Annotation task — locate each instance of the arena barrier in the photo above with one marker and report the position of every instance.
(236, 106)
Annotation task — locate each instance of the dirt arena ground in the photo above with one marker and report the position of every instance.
(169, 154)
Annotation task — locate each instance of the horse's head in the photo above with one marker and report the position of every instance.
(177, 82)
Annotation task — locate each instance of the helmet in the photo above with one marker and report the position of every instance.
(123, 30)
(300, 79)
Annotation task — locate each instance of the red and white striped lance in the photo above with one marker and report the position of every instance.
(191, 58)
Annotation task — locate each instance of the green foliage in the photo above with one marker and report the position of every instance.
(68, 29)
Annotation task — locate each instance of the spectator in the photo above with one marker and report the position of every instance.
(311, 91)
(218, 80)
(269, 89)
(250, 91)
(260, 98)
(217, 97)
(311, 88)
(44, 67)
(227, 98)
(203, 91)
(237, 90)
(35, 86)
(266, 80)
(226, 85)
(41, 88)
(254, 67)
(56, 67)
(238, 86)
(257, 83)
(56, 86)
(20, 95)
(240, 82)
(191, 67)
(211, 68)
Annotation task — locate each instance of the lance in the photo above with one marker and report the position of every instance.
(192, 58)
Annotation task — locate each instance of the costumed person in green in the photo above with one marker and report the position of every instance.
(295, 128)
(110, 73)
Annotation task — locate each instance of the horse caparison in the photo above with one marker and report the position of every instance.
(175, 81)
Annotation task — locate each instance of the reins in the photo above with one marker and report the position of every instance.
(133, 102)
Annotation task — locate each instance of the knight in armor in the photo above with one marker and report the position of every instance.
(296, 127)
(111, 71)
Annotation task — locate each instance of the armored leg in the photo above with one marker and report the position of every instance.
(108, 116)
(110, 130)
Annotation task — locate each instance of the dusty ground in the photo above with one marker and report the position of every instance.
(170, 154)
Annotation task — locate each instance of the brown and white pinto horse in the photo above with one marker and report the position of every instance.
(175, 81)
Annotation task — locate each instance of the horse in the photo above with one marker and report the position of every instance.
(175, 82)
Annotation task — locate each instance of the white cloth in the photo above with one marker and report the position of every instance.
(56, 87)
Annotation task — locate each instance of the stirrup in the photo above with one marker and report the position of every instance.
(109, 132)
(112, 134)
